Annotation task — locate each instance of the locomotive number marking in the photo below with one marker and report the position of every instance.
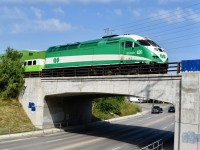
(139, 52)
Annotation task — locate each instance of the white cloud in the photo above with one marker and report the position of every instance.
(99, 14)
(59, 11)
(53, 1)
(50, 25)
(136, 12)
(118, 12)
(170, 1)
(193, 15)
(1, 30)
(11, 13)
(37, 12)
(64, 1)
(176, 15)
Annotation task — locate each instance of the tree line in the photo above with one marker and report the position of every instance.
(11, 74)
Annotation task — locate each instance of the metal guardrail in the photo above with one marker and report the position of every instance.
(122, 69)
(158, 145)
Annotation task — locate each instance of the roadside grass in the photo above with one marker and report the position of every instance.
(128, 108)
(124, 108)
(13, 118)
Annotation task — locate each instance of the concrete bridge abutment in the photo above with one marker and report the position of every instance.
(67, 110)
(48, 110)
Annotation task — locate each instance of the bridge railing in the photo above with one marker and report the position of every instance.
(123, 69)
(158, 145)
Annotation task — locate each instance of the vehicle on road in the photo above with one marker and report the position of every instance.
(161, 109)
(171, 109)
(156, 109)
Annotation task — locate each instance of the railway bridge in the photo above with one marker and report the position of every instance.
(69, 99)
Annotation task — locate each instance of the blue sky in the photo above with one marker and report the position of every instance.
(39, 24)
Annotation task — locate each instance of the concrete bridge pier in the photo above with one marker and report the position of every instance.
(187, 117)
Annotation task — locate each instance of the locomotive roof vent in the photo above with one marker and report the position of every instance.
(109, 36)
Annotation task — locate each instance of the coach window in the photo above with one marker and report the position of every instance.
(29, 63)
(128, 44)
(24, 63)
(34, 62)
(122, 45)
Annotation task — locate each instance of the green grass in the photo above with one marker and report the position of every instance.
(112, 107)
(128, 108)
(13, 118)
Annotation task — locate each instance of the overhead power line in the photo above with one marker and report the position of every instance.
(185, 46)
(147, 18)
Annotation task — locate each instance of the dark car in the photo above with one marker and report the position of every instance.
(171, 109)
(156, 109)
(161, 110)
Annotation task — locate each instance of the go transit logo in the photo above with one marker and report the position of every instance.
(162, 56)
(56, 60)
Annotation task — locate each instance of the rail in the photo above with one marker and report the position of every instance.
(158, 145)
(122, 69)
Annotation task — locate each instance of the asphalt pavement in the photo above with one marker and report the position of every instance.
(126, 133)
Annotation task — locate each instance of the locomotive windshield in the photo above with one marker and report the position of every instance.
(148, 43)
(143, 42)
(153, 43)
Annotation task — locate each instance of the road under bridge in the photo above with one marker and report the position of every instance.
(69, 99)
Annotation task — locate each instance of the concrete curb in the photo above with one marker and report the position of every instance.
(28, 134)
(127, 117)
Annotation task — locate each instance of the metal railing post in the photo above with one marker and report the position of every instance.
(178, 68)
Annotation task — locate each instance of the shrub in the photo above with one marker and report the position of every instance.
(109, 107)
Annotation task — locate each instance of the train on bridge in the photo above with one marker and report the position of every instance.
(113, 54)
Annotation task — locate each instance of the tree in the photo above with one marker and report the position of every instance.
(11, 74)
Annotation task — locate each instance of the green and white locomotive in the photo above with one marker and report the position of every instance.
(110, 50)
(114, 54)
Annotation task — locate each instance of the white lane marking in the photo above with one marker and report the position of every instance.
(18, 140)
(52, 134)
(116, 148)
(54, 140)
(168, 126)
(165, 127)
